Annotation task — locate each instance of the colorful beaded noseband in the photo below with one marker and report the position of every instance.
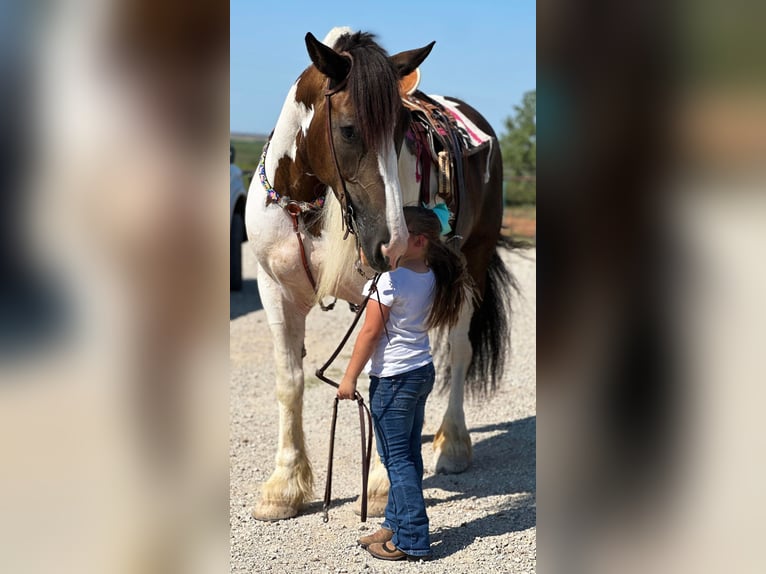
(282, 200)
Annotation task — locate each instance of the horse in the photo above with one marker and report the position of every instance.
(336, 172)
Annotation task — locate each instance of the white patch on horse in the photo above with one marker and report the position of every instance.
(293, 117)
(306, 122)
(334, 34)
(397, 227)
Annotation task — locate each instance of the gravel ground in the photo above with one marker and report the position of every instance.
(483, 520)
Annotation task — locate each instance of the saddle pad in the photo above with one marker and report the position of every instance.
(471, 134)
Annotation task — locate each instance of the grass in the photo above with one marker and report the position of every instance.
(248, 153)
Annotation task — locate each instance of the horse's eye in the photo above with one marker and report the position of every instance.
(347, 132)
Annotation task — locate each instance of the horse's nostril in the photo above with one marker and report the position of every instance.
(386, 250)
(380, 250)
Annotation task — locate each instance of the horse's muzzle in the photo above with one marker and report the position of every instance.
(380, 262)
(392, 252)
(381, 250)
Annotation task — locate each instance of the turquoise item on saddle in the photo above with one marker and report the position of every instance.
(442, 212)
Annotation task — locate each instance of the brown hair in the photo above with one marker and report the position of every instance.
(454, 285)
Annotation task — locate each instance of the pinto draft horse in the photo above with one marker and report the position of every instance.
(336, 172)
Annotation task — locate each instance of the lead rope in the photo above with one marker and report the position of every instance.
(366, 436)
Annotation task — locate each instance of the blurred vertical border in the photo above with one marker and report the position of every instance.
(113, 300)
(651, 229)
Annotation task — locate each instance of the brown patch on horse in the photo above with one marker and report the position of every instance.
(293, 178)
(311, 86)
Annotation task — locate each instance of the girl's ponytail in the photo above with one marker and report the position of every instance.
(453, 285)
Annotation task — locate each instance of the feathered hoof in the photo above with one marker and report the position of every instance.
(273, 511)
(452, 452)
(376, 506)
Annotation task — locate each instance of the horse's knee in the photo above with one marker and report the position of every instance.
(461, 355)
(290, 392)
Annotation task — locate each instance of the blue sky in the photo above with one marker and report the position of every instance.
(484, 52)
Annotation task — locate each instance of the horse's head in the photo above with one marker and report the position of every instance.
(355, 134)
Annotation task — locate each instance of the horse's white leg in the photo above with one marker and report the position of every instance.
(377, 489)
(291, 483)
(452, 444)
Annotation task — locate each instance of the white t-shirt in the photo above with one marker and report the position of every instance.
(409, 295)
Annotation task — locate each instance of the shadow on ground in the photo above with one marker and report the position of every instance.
(245, 301)
(317, 506)
(502, 464)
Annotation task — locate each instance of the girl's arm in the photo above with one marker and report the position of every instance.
(375, 317)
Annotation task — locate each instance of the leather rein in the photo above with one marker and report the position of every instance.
(366, 432)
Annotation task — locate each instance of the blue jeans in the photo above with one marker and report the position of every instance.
(398, 405)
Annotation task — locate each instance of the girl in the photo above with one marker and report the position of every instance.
(427, 290)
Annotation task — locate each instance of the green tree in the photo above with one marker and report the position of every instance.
(519, 147)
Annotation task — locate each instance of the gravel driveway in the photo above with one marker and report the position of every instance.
(483, 520)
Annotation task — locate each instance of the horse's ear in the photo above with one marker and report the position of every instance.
(406, 62)
(327, 60)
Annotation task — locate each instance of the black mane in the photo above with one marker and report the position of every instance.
(373, 86)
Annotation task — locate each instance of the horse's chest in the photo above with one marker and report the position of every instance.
(279, 251)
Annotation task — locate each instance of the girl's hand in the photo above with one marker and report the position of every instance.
(347, 388)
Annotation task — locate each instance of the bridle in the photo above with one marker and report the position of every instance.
(345, 198)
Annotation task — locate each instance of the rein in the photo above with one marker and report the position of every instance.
(366, 436)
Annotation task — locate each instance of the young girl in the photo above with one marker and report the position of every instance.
(428, 289)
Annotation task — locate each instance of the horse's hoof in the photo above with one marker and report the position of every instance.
(452, 456)
(272, 511)
(375, 506)
(445, 464)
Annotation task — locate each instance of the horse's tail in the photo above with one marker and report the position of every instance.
(490, 331)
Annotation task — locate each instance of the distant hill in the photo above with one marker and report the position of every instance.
(246, 137)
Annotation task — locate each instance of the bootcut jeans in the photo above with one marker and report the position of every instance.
(397, 404)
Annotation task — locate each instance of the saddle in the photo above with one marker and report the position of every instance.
(435, 137)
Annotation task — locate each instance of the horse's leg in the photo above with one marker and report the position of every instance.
(377, 489)
(291, 483)
(452, 444)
